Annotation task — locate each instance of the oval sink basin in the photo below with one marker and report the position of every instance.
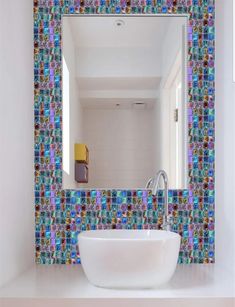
(129, 258)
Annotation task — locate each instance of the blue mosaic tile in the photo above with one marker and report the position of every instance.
(61, 214)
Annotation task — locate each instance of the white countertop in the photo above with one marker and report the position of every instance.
(69, 281)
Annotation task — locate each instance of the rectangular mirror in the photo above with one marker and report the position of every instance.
(124, 101)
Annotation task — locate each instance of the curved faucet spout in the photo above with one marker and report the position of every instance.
(149, 183)
(166, 218)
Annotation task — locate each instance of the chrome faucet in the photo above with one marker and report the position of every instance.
(149, 183)
(167, 219)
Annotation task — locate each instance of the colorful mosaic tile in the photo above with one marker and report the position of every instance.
(61, 214)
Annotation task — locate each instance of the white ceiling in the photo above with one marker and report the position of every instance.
(118, 64)
(126, 91)
(124, 83)
(117, 103)
(100, 32)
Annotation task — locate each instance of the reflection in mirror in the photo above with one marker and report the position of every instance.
(124, 109)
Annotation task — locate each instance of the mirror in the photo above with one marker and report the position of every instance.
(124, 101)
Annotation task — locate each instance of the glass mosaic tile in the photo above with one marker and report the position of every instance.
(61, 214)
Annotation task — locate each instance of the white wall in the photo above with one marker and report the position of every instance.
(170, 58)
(118, 62)
(171, 45)
(158, 138)
(75, 117)
(161, 140)
(225, 137)
(120, 145)
(16, 138)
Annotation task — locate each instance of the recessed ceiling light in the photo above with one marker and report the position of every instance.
(119, 23)
(139, 105)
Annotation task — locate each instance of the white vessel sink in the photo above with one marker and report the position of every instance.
(129, 258)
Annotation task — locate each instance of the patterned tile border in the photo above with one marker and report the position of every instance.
(61, 214)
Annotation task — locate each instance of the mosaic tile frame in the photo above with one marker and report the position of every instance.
(61, 214)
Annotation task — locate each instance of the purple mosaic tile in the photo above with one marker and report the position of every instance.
(61, 214)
